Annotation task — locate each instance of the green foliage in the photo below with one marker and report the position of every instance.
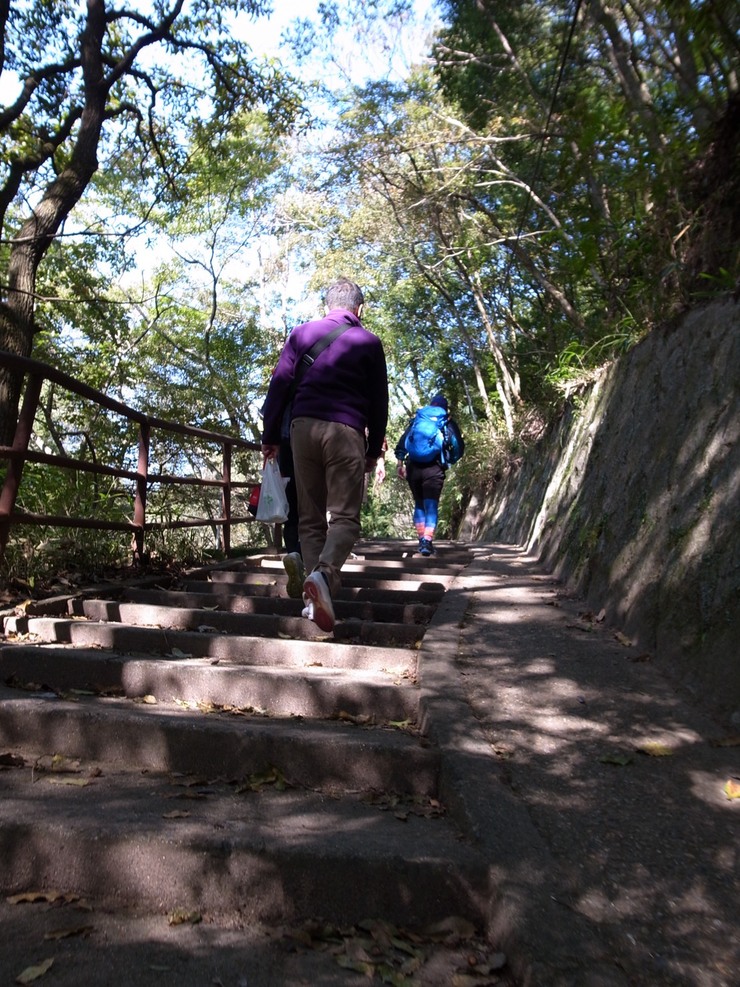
(388, 508)
(625, 116)
(575, 361)
(517, 215)
(36, 555)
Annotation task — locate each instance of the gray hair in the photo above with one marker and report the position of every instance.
(344, 294)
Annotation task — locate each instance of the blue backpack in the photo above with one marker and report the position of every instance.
(425, 440)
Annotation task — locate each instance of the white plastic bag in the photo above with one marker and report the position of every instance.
(273, 503)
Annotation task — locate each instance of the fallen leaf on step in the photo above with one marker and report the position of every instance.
(57, 763)
(733, 741)
(32, 897)
(182, 916)
(361, 719)
(32, 973)
(475, 980)
(257, 781)
(81, 930)
(452, 929)
(347, 963)
(654, 749)
(732, 789)
(621, 759)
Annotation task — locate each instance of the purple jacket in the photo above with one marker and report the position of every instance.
(347, 383)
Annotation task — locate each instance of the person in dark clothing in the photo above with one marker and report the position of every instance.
(343, 393)
(285, 461)
(426, 480)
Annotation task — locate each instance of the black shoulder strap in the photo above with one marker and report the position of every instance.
(309, 357)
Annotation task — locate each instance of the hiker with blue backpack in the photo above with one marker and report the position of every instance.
(431, 443)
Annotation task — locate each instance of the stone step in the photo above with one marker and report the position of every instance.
(396, 580)
(239, 649)
(243, 622)
(234, 845)
(308, 691)
(385, 612)
(395, 568)
(254, 586)
(232, 757)
(315, 754)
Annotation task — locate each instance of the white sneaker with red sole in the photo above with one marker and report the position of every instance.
(318, 601)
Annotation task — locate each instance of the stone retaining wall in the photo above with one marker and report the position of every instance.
(633, 500)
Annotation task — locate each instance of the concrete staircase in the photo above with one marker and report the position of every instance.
(199, 744)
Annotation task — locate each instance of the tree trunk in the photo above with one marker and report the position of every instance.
(17, 325)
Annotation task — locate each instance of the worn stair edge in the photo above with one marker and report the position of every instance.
(315, 754)
(208, 623)
(230, 622)
(277, 590)
(388, 569)
(257, 624)
(409, 547)
(264, 855)
(384, 612)
(240, 649)
(226, 596)
(403, 581)
(314, 691)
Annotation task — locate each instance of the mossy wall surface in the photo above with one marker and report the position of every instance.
(633, 500)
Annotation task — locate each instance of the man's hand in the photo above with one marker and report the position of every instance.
(269, 451)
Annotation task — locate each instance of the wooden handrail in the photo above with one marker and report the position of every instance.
(19, 453)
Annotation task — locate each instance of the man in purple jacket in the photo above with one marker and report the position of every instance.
(341, 398)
